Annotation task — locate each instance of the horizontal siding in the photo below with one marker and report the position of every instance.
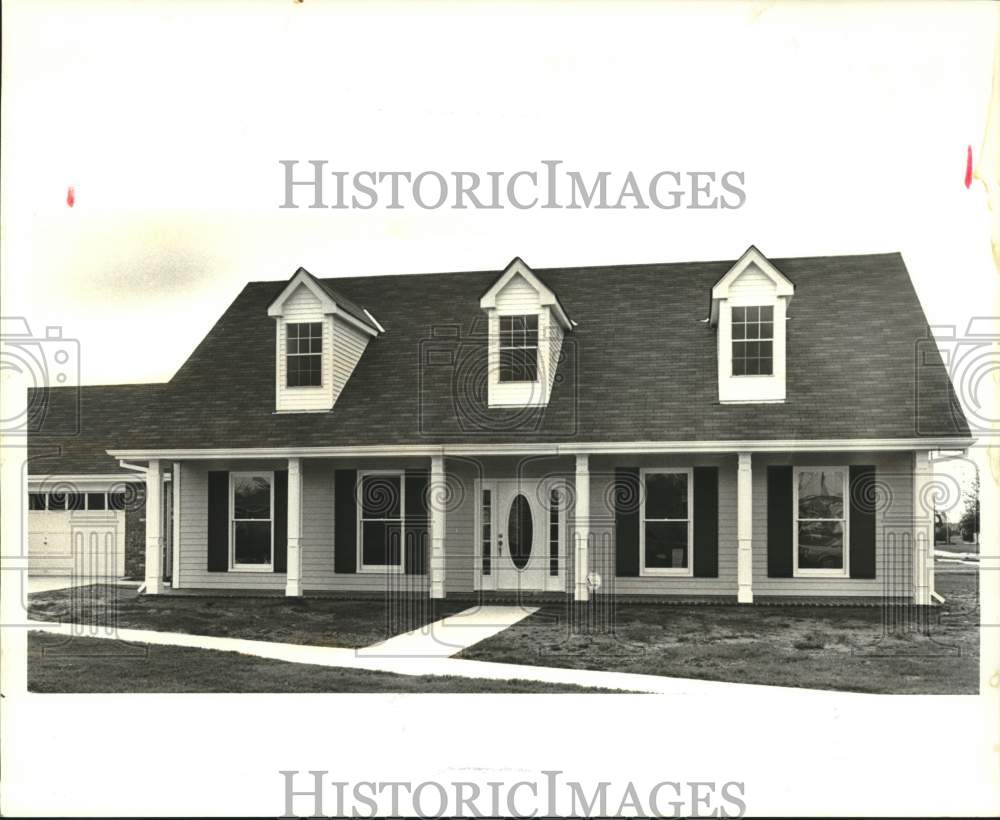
(517, 295)
(194, 532)
(893, 534)
(602, 475)
(751, 282)
(348, 345)
(893, 543)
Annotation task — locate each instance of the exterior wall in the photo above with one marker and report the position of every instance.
(135, 534)
(893, 544)
(893, 534)
(193, 545)
(348, 345)
(602, 516)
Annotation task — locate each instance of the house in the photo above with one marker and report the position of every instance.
(757, 428)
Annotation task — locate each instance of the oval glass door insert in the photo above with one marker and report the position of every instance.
(519, 532)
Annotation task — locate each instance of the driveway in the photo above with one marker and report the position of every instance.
(47, 583)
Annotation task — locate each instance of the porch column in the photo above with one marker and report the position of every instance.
(154, 528)
(744, 530)
(437, 497)
(923, 528)
(581, 530)
(293, 576)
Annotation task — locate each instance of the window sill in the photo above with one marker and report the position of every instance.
(820, 573)
(647, 572)
(378, 569)
(253, 568)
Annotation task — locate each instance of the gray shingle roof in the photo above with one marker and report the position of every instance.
(640, 366)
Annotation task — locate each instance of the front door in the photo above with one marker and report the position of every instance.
(522, 549)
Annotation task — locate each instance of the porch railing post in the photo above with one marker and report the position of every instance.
(437, 498)
(581, 529)
(293, 577)
(154, 527)
(744, 530)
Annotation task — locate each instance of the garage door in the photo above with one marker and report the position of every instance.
(83, 543)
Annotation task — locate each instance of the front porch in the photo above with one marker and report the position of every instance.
(695, 526)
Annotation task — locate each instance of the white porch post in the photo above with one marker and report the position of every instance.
(744, 530)
(437, 497)
(154, 527)
(581, 533)
(175, 542)
(293, 576)
(923, 529)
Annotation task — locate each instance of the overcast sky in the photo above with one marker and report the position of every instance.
(850, 124)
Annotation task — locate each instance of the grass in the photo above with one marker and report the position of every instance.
(819, 647)
(318, 621)
(86, 665)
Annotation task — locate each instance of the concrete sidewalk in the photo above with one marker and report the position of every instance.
(354, 659)
(450, 635)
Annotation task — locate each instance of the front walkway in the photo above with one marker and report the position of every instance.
(438, 664)
(451, 635)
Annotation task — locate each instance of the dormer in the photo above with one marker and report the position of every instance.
(526, 328)
(319, 338)
(749, 308)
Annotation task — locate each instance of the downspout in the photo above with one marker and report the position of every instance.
(961, 454)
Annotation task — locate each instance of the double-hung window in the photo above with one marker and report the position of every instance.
(519, 348)
(304, 358)
(820, 521)
(251, 520)
(753, 341)
(380, 520)
(666, 525)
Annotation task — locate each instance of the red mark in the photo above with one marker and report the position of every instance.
(71, 195)
(968, 168)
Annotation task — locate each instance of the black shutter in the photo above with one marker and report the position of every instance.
(706, 522)
(862, 522)
(627, 495)
(779, 522)
(218, 521)
(281, 521)
(416, 514)
(345, 532)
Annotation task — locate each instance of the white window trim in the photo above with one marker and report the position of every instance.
(733, 342)
(322, 352)
(508, 314)
(233, 566)
(399, 568)
(680, 572)
(844, 572)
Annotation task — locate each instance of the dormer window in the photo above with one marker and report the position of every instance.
(320, 335)
(526, 327)
(749, 309)
(305, 354)
(519, 348)
(753, 340)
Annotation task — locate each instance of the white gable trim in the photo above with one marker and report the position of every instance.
(301, 277)
(546, 298)
(327, 305)
(782, 285)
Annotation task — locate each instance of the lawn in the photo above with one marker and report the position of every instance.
(317, 620)
(819, 647)
(86, 665)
